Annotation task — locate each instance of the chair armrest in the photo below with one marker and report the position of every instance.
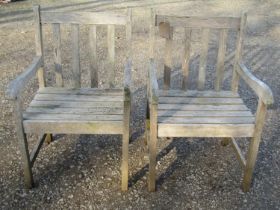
(259, 87)
(127, 80)
(153, 84)
(17, 85)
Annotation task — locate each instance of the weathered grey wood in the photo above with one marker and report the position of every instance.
(199, 22)
(70, 117)
(260, 88)
(168, 59)
(76, 80)
(152, 35)
(59, 97)
(199, 94)
(66, 104)
(254, 146)
(111, 54)
(17, 85)
(203, 58)
(129, 34)
(202, 113)
(34, 153)
(73, 127)
(205, 107)
(221, 59)
(238, 152)
(153, 84)
(23, 145)
(93, 56)
(205, 130)
(82, 91)
(76, 110)
(205, 120)
(153, 147)
(57, 54)
(186, 58)
(127, 81)
(238, 52)
(96, 18)
(183, 100)
(39, 43)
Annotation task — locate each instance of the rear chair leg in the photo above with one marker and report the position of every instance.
(225, 141)
(49, 138)
(147, 130)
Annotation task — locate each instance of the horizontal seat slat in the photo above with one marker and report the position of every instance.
(206, 120)
(186, 100)
(81, 91)
(75, 110)
(59, 97)
(96, 18)
(71, 117)
(216, 113)
(61, 104)
(205, 130)
(237, 107)
(73, 127)
(199, 94)
(199, 22)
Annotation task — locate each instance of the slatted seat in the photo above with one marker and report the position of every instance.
(86, 110)
(202, 112)
(73, 109)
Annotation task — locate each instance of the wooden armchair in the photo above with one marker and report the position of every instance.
(73, 110)
(203, 113)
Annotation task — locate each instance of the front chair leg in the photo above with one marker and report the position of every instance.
(23, 145)
(254, 146)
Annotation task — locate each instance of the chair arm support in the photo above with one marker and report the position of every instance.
(17, 85)
(153, 84)
(127, 80)
(259, 87)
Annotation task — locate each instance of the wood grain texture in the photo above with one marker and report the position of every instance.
(111, 55)
(93, 56)
(238, 52)
(96, 18)
(186, 58)
(76, 80)
(203, 58)
(199, 22)
(153, 84)
(221, 59)
(57, 54)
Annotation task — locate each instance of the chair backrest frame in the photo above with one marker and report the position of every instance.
(75, 19)
(166, 25)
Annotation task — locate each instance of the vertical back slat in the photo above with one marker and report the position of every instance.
(57, 54)
(186, 58)
(221, 59)
(39, 44)
(76, 56)
(168, 58)
(93, 56)
(203, 58)
(111, 54)
(129, 34)
(238, 53)
(152, 34)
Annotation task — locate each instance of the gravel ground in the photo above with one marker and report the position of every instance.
(82, 171)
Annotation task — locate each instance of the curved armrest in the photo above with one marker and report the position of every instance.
(127, 80)
(260, 88)
(153, 83)
(18, 84)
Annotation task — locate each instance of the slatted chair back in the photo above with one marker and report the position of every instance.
(75, 19)
(166, 26)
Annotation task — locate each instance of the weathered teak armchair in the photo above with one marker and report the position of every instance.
(74, 110)
(204, 113)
